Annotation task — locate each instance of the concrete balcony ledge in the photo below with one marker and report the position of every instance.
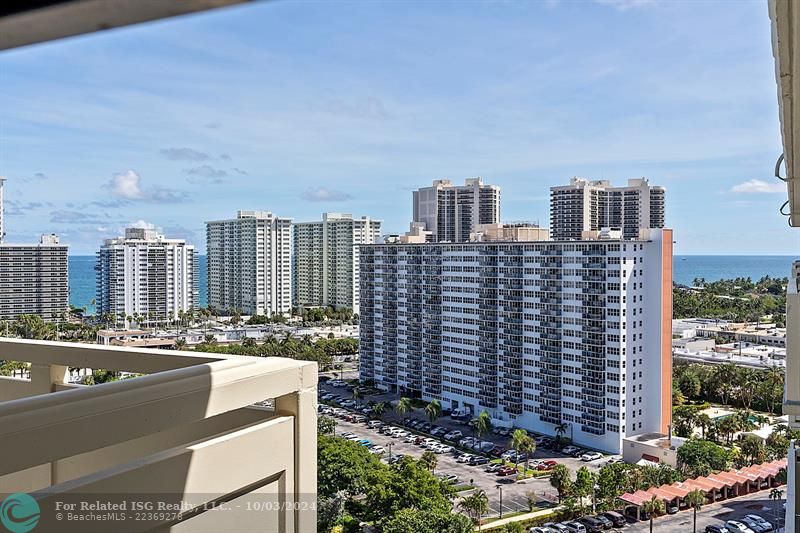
(187, 430)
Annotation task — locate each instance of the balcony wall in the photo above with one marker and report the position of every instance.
(200, 429)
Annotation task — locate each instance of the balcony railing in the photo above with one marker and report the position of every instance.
(200, 430)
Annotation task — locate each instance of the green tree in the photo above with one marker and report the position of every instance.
(699, 457)
(561, 481)
(653, 507)
(433, 410)
(475, 505)
(407, 484)
(482, 424)
(416, 521)
(695, 499)
(521, 442)
(584, 484)
(33, 327)
(378, 409)
(753, 450)
(403, 406)
(429, 460)
(180, 344)
(326, 425)
(513, 527)
(344, 466)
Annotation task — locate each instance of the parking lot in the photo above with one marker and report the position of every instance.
(514, 493)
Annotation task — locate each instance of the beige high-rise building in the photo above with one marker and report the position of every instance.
(249, 263)
(589, 206)
(326, 265)
(451, 212)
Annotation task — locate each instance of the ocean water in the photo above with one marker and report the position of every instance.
(82, 281)
(687, 267)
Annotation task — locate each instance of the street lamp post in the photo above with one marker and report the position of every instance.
(389, 445)
(594, 497)
(501, 500)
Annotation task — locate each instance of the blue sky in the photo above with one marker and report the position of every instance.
(303, 107)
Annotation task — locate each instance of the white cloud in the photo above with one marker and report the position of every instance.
(127, 185)
(142, 224)
(759, 187)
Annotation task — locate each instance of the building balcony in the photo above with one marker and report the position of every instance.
(192, 430)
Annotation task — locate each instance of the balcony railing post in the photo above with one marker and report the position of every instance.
(303, 406)
(46, 378)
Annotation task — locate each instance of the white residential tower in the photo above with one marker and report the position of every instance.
(249, 263)
(538, 334)
(145, 274)
(326, 266)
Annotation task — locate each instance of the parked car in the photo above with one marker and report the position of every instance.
(607, 523)
(591, 456)
(671, 508)
(494, 467)
(410, 438)
(438, 431)
(547, 443)
(569, 450)
(443, 448)
(761, 521)
(453, 435)
(592, 525)
(450, 479)
(506, 471)
(365, 442)
(577, 453)
(464, 458)
(755, 525)
(546, 465)
(575, 527)
(713, 528)
(377, 449)
(737, 527)
(395, 458)
(374, 424)
(617, 519)
(477, 460)
(559, 528)
(541, 529)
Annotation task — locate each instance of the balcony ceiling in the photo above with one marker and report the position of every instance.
(785, 18)
(25, 22)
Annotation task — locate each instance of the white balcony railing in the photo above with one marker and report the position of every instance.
(188, 433)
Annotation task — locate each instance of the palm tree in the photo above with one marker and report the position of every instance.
(180, 344)
(482, 424)
(429, 460)
(775, 495)
(403, 406)
(695, 499)
(475, 505)
(653, 507)
(560, 480)
(433, 410)
(378, 409)
(356, 393)
(561, 429)
(774, 380)
(521, 442)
